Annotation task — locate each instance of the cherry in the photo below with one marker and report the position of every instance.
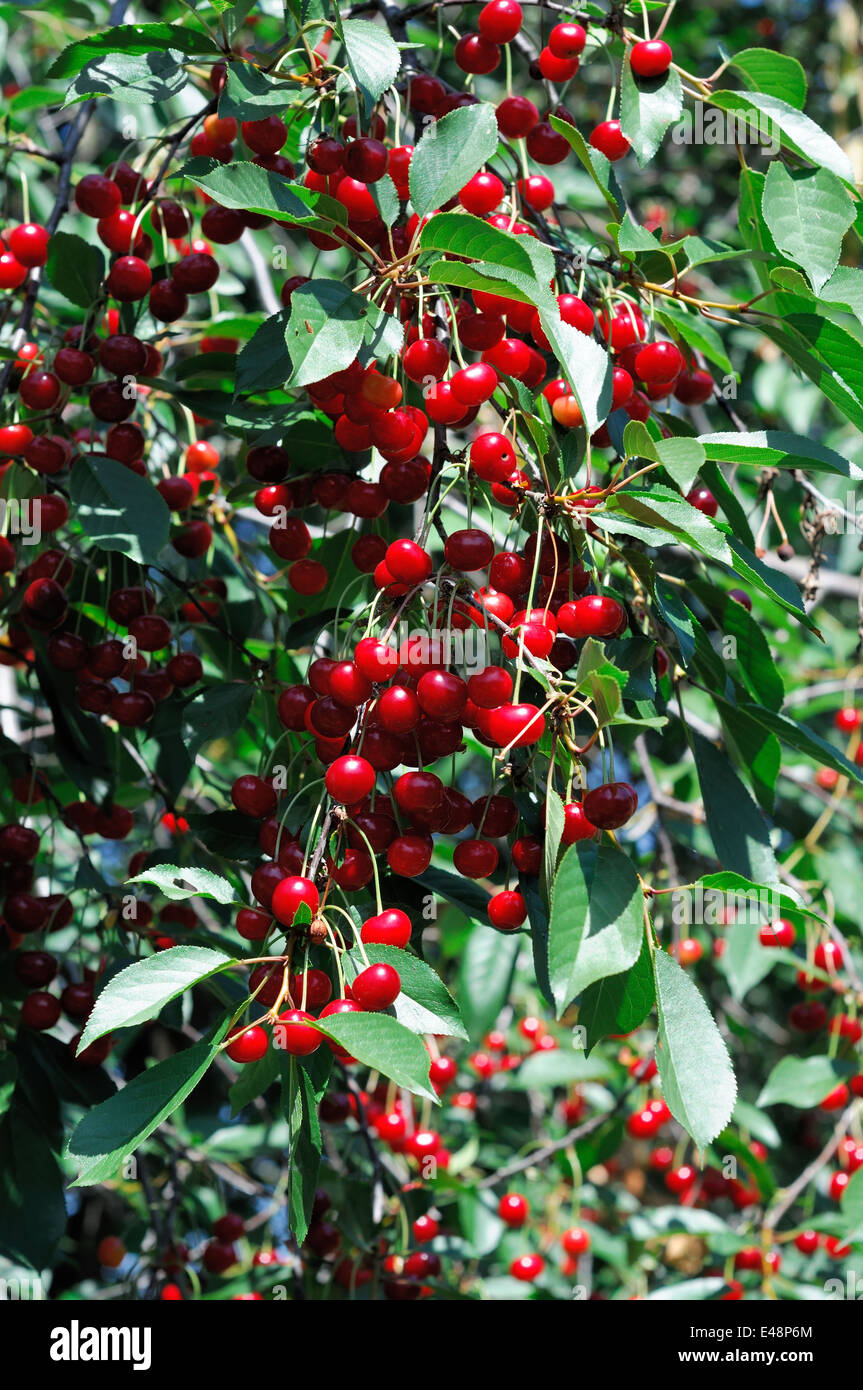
(72, 366)
(475, 858)
(392, 927)
(425, 93)
(703, 500)
(366, 159)
(490, 688)
(473, 385)
(28, 244)
(40, 1010)
(546, 145)
(288, 895)
(296, 1034)
(507, 910)
(492, 457)
(609, 139)
(650, 58)
(847, 720)
(129, 279)
(196, 273)
(349, 779)
(376, 987)
(410, 855)
(527, 855)
(97, 196)
(12, 272)
(694, 388)
(252, 796)
(516, 117)
(475, 53)
(500, 20)
(576, 825)
(219, 1255)
(407, 562)
(418, 792)
(426, 357)
(807, 1242)
(610, 805)
(778, 933)
(555, 69)
(594, 616)
(40, 390)
(44, 605)
(469, 550)
(481, 195)
(515, 725)
(567, 40)
(575, 1241)
(829, 956)
(526, 1268)
(537, 191)
(659, 362)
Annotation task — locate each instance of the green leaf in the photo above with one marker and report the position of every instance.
(778, 586)
(824, 352)
(851, 1203)
(139, 80)
(798, 736)
(745, 962)
(796, 131)
(304, 1148)
(325, 330)
(776, 74)
(217, 712)
(648, 106)
(131, 38)
(117, 509)
(373, 58)
(381, 1042)
(585, 364)
(250, 94)
(8, 1080)
(141, 991)
(600, 169)
(485, 977)
(756, 751)
(32, 1207)
(597, 919)
(682, 458)
(462, 234)
(662, 510)
(804, 1081)
(741, 839)
(263, 363)
(75, 268)
(462, 892)
(449, 153)
(254, 189)
(180, 883)
(110, 1133)
(425, 1005)
(808, 213)
(694, 1067)
(618, 1003)
(554, 823)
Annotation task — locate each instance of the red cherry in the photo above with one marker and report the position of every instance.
(575, 1241)
(611, 805)
(296, 1034)
(516, 117)
(500, 20)
(410, 855)
(703, 500)
(392, 927)
(481, 195)
(492, 457)
(407, 562)
(593, 616)
(555, 69)
(349, 779)
(475, 53)
(473, 385)
(28, 244)
(515, 725)
(576, 826)
(847, 719)
(12, 272)
(289, 894)
(40, 1010)
(526, 1268)
(376, 987)
(252, 796)
(507, 910)
(659, 362)
(778, 933)
(567, 40)
(129, 279)
(609, 139)
(513, 1210)
(650, 58)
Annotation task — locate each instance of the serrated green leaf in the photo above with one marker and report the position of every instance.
(695, 1070)
(597, 919)
(140, 992)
